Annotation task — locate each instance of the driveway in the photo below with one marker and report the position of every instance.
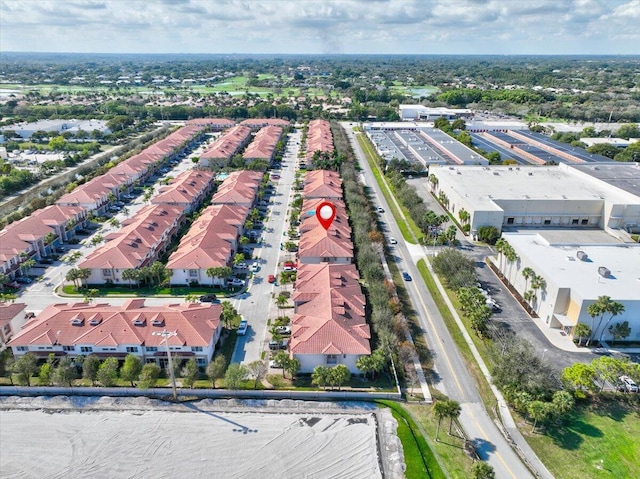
(257, 304)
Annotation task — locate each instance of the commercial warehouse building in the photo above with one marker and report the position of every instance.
(605, 196)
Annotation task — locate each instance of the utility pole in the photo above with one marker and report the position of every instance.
(166, 334)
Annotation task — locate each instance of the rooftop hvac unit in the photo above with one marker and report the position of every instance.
(582, 256)
(604, 272)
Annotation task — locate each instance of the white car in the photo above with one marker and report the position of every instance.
(242, 328)
(254, 267)
(629, 384)
(393, 241)
(236, 282)
(380, 209)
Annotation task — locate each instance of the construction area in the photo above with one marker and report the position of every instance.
(78, 437)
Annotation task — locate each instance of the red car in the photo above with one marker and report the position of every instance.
(271, 278)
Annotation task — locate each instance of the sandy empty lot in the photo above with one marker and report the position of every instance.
(120, 438)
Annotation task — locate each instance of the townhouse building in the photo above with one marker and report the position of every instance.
(12, 317)
(139, 242)
(105, 330)
(187, 190)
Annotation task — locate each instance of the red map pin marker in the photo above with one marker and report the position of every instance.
(326, 213)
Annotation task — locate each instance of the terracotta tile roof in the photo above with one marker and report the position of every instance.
(256, 123)
(138, 237)
(97, 189)
(8, 311)
(214, 123)
(16, 237)
(211, 239)
(129, 324)
(264, 144)
(319, 137)
(321, 243)
(310, 222)
(184, 188)
(229, 143)
(324, 335)
(313, 279)
(240, 187)
(322, 184)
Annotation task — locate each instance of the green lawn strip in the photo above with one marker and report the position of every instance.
(126, 291)
(483, 386)
(419, 458)
(449, 450)
(406, 224)
(598, 440)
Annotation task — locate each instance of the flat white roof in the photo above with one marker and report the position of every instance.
(486, 185)
(558, 262)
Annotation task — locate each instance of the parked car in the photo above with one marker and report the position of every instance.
(254, 267)
(275, 177)
(275, 345)
(275, 364)
(283, 330)
(235, 282)
(241, 266)
(393, 241)
(46, 261)
(24, 280)
(208, 298)
(271, 279)
(380, 209)
(628, 384)
(406, 276)
(242, 328)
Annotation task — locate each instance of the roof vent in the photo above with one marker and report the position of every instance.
(582, 256)
(604, 272)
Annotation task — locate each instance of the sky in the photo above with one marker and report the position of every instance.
(322, 26)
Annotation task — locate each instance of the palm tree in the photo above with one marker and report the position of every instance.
(219, 272)
(453, 412)
(72, 275)
(131, 275)
(500, 248)
(593, 310)
(529, 296)
(83, 275)
(615, 308)
(538, 283)
(599, 307)
(433, 179)
(440, 409)
(527, 273)
(281, 300)
(158, 272)
(27, 265)
(581, 330)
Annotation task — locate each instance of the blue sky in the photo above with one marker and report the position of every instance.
(322, 26)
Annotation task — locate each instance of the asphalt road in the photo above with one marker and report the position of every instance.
(256, 305)
(450, 374)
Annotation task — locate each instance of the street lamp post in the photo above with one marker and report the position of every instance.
(543, 353)
(166, 334)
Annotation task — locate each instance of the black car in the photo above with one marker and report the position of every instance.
(46, 261)
(406, 276)
(208, 298)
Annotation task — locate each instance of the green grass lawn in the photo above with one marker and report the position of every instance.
(418, 456)
(406, 227)
(448, 451)
(598, 440)
(483, 386)
(143, 292)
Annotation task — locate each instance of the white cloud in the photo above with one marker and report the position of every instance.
(321, 26)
